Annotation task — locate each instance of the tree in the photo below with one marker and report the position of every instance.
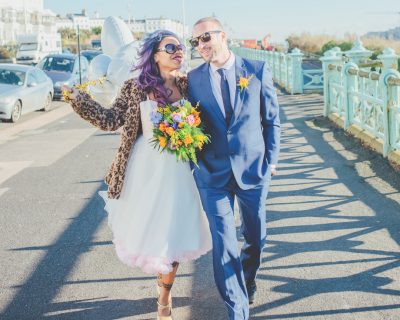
(96, 30)
(67, 33)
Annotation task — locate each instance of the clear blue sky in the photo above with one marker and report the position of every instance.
(254, 18)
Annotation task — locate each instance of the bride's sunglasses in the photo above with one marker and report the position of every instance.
(205, 37)
(171, 48)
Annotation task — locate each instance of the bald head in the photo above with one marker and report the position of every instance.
(210, 20)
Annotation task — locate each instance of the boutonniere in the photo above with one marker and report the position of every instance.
(244, 82)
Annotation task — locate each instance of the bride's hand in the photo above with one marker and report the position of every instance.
(72, 92)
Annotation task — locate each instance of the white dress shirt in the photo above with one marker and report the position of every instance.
(229, 66)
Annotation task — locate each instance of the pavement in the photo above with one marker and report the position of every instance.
(333, 229)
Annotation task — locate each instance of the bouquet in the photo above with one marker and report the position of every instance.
(177, 130)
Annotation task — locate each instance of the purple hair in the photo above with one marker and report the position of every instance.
(149, 78)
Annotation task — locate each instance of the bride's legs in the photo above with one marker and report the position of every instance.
(165, 282)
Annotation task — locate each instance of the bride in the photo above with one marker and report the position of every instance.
(152, 201)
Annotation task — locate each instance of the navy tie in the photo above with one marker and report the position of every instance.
(226, 97)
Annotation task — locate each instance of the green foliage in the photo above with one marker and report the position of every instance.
(96, 31)
(344, 46)
(67, 33)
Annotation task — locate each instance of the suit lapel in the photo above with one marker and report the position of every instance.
(213, 106)
(240, 71)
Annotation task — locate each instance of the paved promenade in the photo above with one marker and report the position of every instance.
(333, 230)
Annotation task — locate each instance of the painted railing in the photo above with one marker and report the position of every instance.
(362, 97)
(288, 69)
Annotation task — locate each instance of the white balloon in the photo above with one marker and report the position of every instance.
(104, 93)
(114, 34)
(122, 63)
(98, 66)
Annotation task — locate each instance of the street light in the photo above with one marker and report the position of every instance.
(184, 21)
(79, 55)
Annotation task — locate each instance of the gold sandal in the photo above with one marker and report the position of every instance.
(168, 287)
(162, 307)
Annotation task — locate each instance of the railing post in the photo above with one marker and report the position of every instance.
(390, 96)
(297, 71)
(350, 85)
(276, 65)
(358, 53)
(281, 64)
(288, 73)
(334, 58)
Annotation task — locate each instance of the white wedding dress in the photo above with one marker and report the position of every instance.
(158, 218)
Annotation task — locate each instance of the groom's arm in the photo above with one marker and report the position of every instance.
(270, 116)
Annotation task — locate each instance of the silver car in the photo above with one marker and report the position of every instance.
(23, 89)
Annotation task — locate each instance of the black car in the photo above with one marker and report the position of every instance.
(63, 69)
(90, 54)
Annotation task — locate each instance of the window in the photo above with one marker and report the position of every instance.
(28, 46)
(57, 64)
(12, 77)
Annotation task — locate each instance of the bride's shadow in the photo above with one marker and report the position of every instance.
(103, 309)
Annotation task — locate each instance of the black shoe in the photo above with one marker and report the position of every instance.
(251, 291)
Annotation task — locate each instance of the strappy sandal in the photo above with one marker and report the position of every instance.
(168, 287)
(162, 307)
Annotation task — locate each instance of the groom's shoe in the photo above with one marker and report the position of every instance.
(251, 291)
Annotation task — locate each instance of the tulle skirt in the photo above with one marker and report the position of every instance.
(158, 218)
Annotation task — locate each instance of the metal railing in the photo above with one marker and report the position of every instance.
(362, 97)
(292, 72)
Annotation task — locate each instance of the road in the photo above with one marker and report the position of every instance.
(333, 228)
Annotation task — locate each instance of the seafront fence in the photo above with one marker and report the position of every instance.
(360, 94)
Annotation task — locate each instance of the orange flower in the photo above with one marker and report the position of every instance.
(163, 141)
(197, 121)
(188, 140)
(180, 124)
(162, 127)
(170, 131)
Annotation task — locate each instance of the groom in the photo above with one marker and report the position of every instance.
(240, 111)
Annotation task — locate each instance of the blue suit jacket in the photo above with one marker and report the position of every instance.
(250, 142)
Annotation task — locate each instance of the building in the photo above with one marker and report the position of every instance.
(84, 21)
(19, 17)
(150, 25)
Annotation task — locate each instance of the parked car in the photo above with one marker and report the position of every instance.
(23, 89)
(90, 54)
(64, 69)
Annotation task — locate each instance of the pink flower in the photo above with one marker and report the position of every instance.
(190, 119)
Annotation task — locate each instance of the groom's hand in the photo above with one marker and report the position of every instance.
(273, 170)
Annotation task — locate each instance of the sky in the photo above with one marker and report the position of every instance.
(253, 19)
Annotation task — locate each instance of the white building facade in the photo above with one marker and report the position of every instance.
(85, 22)
(19, 17)
(153, 24)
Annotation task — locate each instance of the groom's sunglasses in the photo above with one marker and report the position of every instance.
(171, 48)
(205, 37)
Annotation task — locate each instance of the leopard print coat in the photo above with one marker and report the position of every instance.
(125, 113)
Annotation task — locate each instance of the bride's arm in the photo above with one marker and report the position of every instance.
(108, 119)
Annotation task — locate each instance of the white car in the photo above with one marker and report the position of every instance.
(23, 89)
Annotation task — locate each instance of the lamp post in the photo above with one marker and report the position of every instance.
(184, 22)
(79, 55)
